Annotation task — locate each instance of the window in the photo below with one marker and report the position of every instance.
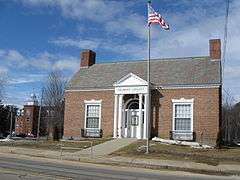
(134, 118)
(183, 115)
(28, 113)
(92, 119)
(92, 115)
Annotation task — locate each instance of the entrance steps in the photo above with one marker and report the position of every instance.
(107, 147)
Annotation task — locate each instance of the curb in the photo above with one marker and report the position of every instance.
(162, 167)
(131, 163)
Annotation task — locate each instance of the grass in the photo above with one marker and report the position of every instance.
(181, 153)
(55, 145)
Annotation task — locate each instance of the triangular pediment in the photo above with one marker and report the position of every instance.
(130, 80)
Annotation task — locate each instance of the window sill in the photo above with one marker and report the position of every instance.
(182, 135)
(91, 132)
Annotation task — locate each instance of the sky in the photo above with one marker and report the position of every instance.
(39, 36)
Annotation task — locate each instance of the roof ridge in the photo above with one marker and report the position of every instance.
(155, 59)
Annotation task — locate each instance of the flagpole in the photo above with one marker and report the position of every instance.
(148, 100)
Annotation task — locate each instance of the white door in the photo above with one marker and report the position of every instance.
(132, 123)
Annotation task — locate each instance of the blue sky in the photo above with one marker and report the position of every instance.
(38, 36)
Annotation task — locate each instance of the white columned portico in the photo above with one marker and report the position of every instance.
(120, 107)
(139, 135)
(145, 126)
(130, 123)
(115, 121)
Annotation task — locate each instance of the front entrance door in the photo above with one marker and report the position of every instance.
(132, 122)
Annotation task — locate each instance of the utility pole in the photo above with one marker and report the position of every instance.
(11, 120)
(39, 115)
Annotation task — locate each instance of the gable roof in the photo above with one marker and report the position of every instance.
(164, 72)
(129, 80)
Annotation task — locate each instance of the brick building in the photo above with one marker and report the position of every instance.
(108, 99)
(27, 122)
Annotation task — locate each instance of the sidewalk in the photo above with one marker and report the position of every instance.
(107, 147)
(221, 169)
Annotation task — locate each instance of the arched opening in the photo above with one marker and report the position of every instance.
(131, 117)
(133, 105)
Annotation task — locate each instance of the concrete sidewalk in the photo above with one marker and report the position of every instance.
(107, 147)
(221, 169)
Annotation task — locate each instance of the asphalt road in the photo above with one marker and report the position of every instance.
(16, 168)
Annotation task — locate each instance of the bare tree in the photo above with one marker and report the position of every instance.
(2, 85)
(230, 125)
(53, 101)
(236, 123)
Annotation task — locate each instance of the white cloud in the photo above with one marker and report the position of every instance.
(43, 61)
(192, 25)
(95, 10)
(134, 24)
(65, 64)
(232, 72)
(38, 2)
(82, 44)
(18, 99)
(12, 57)
(26, 78)
(3, 71)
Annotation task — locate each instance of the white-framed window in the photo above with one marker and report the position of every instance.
(182, 115)
(92, 114)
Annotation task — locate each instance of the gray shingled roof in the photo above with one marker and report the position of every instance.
(164, 72)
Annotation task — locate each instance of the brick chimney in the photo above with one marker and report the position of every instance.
(87, 58)
(215, 48)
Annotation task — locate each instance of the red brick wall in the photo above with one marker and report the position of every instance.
(205, 120)
(205, 112)
(215, 48)
(27, 123)
(75, 111)
(87, 58)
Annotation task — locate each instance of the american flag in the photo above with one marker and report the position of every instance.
(156, 18)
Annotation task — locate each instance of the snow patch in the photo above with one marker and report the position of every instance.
(182, 143)
(7, 139)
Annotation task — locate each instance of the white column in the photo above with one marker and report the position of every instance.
(115, 121)
(145, 130)
(140, 118)
(120, 105)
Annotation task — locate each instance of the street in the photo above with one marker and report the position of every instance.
(16, 168)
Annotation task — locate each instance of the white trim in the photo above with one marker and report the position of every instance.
(157, 87)
(215, 59)
(182, 101)
(93, 102)
(82, 90)
(131, 90)
(145, 130)
(140, 124)
(189, 87)
(120, 116)
(115, 117)
(130, 75)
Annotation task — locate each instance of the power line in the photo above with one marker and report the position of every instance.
(229, 95)
(225, 37)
